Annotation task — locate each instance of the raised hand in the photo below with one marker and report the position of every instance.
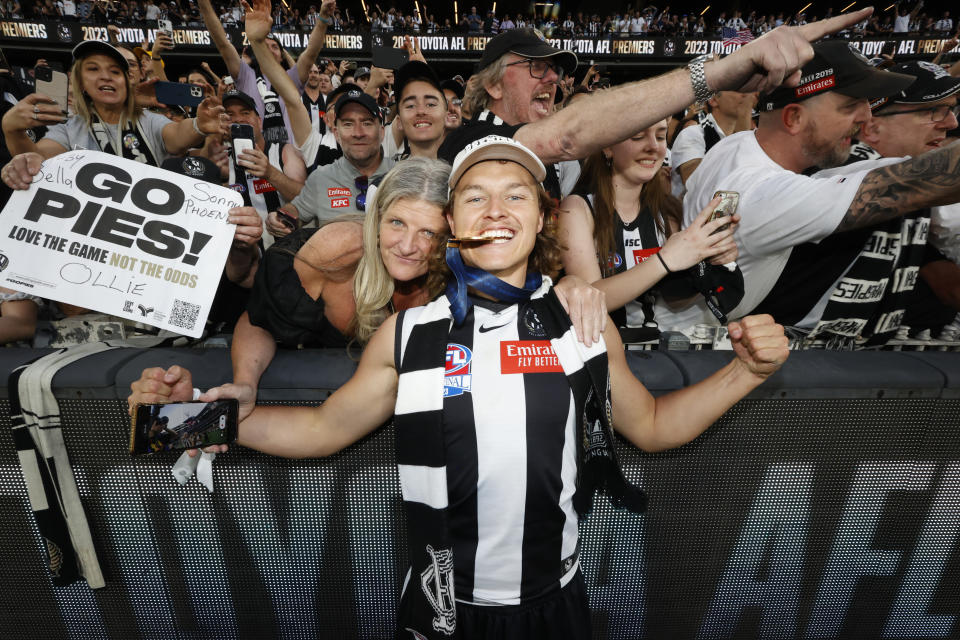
(760, 344)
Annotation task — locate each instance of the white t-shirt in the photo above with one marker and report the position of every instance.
(152, 12)
(779, 209)
(637, 25)
(901, 24)
(945, 230)
(689, 145)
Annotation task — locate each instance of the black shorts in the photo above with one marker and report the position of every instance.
(563, 615)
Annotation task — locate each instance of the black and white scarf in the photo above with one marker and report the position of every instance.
(274, 128)
(252, 189)
(134, 144)
(428, 603)
(867, 305)
(51, 487)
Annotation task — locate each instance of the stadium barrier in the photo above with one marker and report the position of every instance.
(824, 505)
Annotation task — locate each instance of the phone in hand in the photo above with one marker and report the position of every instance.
(167, 27)
(189, 95)
(52, 83)
(183, 425)
(242, 136)
(288, 220)
(389, 58)
(729, 200)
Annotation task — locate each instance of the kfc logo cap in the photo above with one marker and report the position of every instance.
(837, 66)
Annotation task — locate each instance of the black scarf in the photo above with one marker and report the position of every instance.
(133, 142)
(274, 129)
(428, 603)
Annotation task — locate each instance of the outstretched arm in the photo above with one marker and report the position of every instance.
(769, 61)
(928, 180)
(315, 43)
(348, 415)
(679, 417)
(258, 23)
(220, 40)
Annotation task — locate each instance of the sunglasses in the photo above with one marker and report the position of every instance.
(361, 183)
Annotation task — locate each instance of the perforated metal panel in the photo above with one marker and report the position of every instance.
(789, 518)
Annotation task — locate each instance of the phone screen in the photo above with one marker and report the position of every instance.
(182, 425)
(52, 83)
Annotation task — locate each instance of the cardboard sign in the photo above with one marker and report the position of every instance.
(119, 237)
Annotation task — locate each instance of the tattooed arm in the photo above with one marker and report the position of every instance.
(928, 180)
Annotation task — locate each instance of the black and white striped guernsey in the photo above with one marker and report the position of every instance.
(509, 434)
(504, 431)
(633, 243)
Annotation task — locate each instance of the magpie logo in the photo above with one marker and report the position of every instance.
(144, 311)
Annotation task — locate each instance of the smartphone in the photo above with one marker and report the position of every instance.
(52, 83)
(189, 95)
(288, 220)
(182, 425)
(242, 135)
(351, 65)
(389, 58)
(729, 200)
(166, 26)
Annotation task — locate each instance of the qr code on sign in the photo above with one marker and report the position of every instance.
(184, 314)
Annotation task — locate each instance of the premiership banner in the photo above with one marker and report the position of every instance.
(120, 237)
(468, 46)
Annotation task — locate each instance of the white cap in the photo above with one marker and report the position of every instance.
(496, 148)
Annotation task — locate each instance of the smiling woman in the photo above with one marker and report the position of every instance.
(110, 115)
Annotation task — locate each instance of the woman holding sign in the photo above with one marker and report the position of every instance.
(107, 118)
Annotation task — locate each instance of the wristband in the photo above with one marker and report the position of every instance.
(660, 257)
(197, 128)
(326, 21)
(196, 394)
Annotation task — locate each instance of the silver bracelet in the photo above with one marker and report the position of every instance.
(698, 78)
(197, 129)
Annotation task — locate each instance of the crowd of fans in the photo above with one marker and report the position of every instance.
(902, 17)
(322, 124)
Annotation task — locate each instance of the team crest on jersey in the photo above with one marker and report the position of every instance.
(456, 375)
(533, 324)
(614, 260)
(437, 584)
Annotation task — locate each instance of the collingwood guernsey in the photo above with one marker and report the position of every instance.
(509, 433)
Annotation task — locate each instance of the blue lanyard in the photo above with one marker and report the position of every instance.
(484, 283)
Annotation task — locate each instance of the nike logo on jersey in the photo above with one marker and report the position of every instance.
(486, 329)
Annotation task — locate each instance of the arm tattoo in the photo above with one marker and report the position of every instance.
(927, 180)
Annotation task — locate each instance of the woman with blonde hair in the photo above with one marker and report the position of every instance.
(108, 117)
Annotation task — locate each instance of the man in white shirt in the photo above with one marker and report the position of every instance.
(944, 25)
(810, 125)
(901, 23)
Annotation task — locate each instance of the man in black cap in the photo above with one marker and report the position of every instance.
(811, 125)
(514, 90)
(341, 186)
(864, 286)
(272, 173)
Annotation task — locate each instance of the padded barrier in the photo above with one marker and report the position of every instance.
(825, 505)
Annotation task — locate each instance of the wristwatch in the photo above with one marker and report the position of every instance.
(701, 92)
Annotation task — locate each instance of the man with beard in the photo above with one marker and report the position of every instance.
(866, 283)
(514, 90)
(810, 125)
